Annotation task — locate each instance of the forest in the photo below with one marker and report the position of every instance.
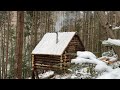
(21, 31)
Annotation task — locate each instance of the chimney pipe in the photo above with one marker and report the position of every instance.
(56, 37)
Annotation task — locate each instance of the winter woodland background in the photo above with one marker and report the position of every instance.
(20, 31)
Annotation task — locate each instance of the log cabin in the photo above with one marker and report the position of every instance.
(55, 51)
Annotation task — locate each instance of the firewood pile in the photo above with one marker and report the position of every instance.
(109, 57)
(107, 60)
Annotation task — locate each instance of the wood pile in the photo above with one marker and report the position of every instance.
(107, 60)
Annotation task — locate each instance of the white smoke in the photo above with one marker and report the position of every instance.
(59, 22)
(62, 17)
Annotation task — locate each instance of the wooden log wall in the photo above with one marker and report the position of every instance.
(50, 62)
(74, 45)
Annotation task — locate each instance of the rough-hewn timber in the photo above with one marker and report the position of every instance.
(61, 62)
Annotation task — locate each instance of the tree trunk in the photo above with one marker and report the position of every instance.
(0, 50)
(35, 27)
(105, 24)
(19, 42)
(3, 62)
(7, 43)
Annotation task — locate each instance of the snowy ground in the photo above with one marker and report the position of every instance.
(102, 70)
(87, 66)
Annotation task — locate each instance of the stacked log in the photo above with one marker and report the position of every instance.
(52, 62)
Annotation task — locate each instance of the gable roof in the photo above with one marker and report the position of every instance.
(49, 46)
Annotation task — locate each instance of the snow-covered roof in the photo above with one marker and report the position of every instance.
(49, 46)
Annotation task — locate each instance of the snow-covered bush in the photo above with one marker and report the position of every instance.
(86, 55)
(95, 69)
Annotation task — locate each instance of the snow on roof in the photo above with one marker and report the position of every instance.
(49, 46)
